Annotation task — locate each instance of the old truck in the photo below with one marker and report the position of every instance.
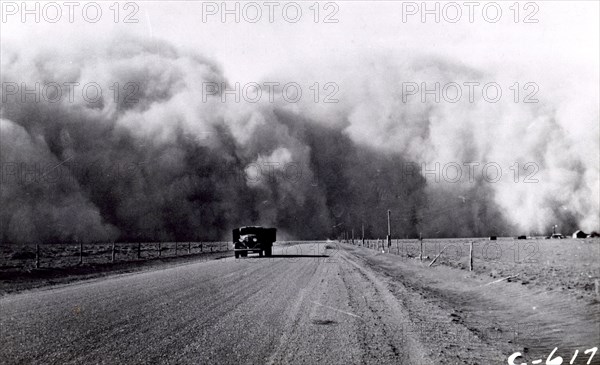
(253, 239)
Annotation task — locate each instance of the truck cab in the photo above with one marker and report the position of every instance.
(253, 239)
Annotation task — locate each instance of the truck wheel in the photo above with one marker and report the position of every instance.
(237, 255)
(260, 253)
(244, 254)
(269, 251)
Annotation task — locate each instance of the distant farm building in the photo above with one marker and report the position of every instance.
(594, 234)
(579, 234)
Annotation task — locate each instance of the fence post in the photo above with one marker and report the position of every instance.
(201, 248)
(139, 250)
(80, 252)
(362, 228)
(471, 256)
(189, 248)
(176, 248)
(37, 256)
(159, 250)
(421, 251)
(389, 235)
(112, 256)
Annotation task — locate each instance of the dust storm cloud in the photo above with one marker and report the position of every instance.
(161, 161)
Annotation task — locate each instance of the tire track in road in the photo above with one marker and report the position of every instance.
(383, 336)
(319, 328)
(437, 328)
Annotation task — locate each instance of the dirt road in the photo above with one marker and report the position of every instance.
(310, 303)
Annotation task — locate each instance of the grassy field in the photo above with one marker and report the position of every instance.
(569, 265)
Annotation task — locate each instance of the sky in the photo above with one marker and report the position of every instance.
(564, 40)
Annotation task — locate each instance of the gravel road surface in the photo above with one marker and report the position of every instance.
(310, 303)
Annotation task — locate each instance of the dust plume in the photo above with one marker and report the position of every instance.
(164, 163)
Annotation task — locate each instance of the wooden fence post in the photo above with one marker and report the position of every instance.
(189, 248)
(201, 247)
(363, 234)
(421, 243)
(176, 248)
(112, 256)
(389, 235)
(139, 250)
(80, 252)
(159, 250)
(471, 256)
(37, 256)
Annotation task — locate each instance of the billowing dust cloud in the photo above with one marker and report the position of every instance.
(155, 159)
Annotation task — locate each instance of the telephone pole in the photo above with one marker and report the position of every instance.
(363, 234)
(389, 235)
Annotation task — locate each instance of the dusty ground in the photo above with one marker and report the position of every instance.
(571, 266)
(22, 257)
(65, 268)
(516, 316)
(311, 303)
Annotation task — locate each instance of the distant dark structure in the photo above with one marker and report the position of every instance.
(579, 234)
(522, 237)
(594, 234)
(493, 238)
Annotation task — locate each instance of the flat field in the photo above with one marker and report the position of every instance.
(569, 265)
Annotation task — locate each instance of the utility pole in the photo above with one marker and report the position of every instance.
(363, 234)
(421, 244)
(389, 235)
